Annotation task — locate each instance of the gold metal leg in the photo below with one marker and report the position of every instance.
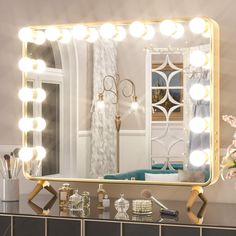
(198, 219)
(40, 185)
(197, 191)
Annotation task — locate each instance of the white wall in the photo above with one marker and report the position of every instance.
(15, 14)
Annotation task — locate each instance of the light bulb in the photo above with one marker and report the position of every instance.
(52, 33)
(39, 124)
(39, 95)
(198, 92)
(25, 64)
(179, 31)
(39, 37)
(137, 29)
(198, 58)
(107, 31)
(80, 32)
(25, 124)
(198, 158)
(150, 32)
(35, 95)
(25, 94)
(198, 125)
(40, 153)
(100, 105)
(93, 35)
(65, 36)
(26, 154)
(39, 66)
(198, 25)
(25, 34)
(120, 34)
(134, 106)
(168, 27)
(31, 124)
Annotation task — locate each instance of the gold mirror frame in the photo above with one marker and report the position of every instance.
(214, 110)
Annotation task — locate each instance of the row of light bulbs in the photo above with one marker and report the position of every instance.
(137, 29)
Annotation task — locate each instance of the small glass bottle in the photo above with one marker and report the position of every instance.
(75, 201)
(100, 194)
(64, 193)
(85, 199)
(106, 202)
(122, 205)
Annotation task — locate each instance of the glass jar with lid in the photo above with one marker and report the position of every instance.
(122, 205)
(75, 202)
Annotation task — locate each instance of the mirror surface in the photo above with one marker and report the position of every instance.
(133, 109)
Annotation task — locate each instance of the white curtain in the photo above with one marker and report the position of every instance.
(103, 143)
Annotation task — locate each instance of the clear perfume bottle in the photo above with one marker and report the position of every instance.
(75, 201)
(122, 205)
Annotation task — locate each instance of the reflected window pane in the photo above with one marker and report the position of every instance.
(51, 135)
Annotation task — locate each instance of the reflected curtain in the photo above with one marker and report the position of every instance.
(103, 140)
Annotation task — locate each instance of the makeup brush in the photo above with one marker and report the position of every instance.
(164, 210)
(8, 162)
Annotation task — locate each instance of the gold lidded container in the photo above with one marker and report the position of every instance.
(64, 193)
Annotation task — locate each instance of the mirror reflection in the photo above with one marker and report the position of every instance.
(119, 102)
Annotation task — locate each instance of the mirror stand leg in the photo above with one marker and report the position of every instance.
(42, 184)
(197, 191)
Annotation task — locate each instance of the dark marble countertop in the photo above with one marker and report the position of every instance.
(216, 214)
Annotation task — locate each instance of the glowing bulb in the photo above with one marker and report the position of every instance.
(108, 31)
(26, 154)
(179, 31)
(198, 25)
(39, 124)
(35, 95)
(120, 33)
(168, 27)
(31, 124)
(39, 95)
(93, 35)
(80, 32)
(198, 125)
(25, 64)
(25, 94)
(100, 105)
(150, 32)
(137, 29)
(65, 36)
(198, 58)
(134, 106)
(39, 37)
(40, 153)
(198, 158)
(25, 124)
(39, 66)
(198, 92)
(25, 34)
(52, 33)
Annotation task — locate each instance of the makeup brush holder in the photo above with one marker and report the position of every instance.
(10, 190)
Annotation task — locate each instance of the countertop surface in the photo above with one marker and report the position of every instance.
(215, 215)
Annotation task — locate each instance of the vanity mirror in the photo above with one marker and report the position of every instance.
(122, 102)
